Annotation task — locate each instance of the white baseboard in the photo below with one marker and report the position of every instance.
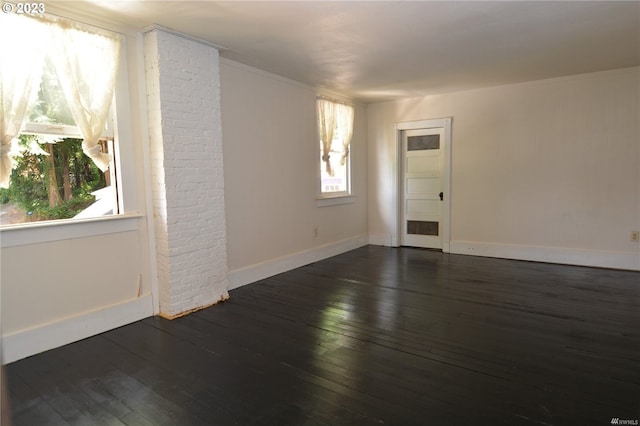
(24, 343)
(380, 240)
(250, 274)
(386, 240)
(569, 256)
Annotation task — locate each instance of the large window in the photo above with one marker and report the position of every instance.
(335, 124)
(58, 144)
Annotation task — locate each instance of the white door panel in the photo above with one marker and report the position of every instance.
(427, 186)
(423, 207)
(419, 164)
(422, 165)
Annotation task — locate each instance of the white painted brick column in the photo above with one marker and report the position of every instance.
(185, 136)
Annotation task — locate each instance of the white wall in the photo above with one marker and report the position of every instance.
(271, 155)
(545, 170)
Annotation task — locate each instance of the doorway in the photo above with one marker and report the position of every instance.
(424, 188)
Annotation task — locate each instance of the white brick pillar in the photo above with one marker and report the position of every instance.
(185, 136)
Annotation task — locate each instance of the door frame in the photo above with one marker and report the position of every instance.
(444, 123)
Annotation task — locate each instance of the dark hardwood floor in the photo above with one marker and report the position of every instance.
(374, 336)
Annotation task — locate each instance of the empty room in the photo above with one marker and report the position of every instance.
(320, 213)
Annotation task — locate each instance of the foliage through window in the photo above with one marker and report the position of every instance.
(335, 124)
(57, 82)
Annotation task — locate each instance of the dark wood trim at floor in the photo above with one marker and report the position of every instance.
(375, 336)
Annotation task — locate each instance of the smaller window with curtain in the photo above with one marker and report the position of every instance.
(57, 138)
(335, 126)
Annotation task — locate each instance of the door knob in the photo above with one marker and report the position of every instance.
(441, 196)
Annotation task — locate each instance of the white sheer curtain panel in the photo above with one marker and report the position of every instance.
(86, 64)
(22, 49)
(326, 127)
(345, 128)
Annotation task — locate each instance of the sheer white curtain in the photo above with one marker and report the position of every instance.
(334, 116)
(22, 50)
(86, 64)
(326, 127)
(345, 128)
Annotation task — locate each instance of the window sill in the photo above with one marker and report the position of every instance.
(335, 200)
(56, 230)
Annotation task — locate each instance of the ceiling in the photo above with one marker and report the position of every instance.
(383, 50)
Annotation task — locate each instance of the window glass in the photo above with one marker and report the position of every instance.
(338, 180)
(52, 176)
(424, 142)
(335, 124)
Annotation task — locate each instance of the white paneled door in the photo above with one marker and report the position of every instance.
(422, 187)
